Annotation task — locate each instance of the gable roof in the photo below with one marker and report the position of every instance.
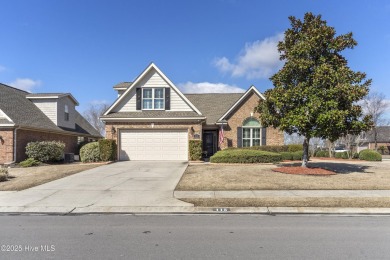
(139, 78)
(213, 105)
(25, 113)
(51, 95)
(239, 101)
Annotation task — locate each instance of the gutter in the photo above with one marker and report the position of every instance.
(107, 119)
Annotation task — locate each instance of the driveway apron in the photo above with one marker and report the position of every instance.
(116, 187)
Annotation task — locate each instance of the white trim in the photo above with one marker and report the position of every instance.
(252, 88)
(7, 125)
(150, 118)
(138, 79)
(251, 138)
(5, 115)
(36, 96)
(153, 98)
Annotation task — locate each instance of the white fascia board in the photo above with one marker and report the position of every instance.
(151, 119)
(252, 88)
(55, 97)
(151, 66)
(7, 125)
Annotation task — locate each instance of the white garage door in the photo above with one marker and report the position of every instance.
(149, 145)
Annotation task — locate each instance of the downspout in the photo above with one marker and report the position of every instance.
(15, 135)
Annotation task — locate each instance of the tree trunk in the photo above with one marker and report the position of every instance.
(376, 139)
(305, 151)
(330, 146)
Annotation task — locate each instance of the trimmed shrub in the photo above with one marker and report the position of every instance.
(3, 174)
(382, 148)
(355, 156)
(287, 156)
(342, 155)
(90, 152)
(295, 147)
(81, 144)
(322, 154)
(270, 148)
(245, 156)
(195, 150)
(298, 155)
(107, 150)
(370, 155)
(29, 162)
(46, 151)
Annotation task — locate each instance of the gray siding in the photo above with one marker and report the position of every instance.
(48, 107)
(61, 113)
(128, 104)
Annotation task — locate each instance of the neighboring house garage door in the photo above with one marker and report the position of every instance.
(149, 145)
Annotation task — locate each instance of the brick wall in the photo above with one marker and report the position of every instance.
(274, 136)
(26, 136)
(243, 111)
(192, 128)
(386, 145)
(6, 146)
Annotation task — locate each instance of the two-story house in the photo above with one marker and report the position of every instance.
(26, 117)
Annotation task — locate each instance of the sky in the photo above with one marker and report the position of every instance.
(85, 47)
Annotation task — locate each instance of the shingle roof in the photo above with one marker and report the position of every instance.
(153, 114)
(213, 105)
(383, 135)
(51, 95)
(123, 85)
(23, 112)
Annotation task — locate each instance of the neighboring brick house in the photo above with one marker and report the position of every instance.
(26, 117)
(367, 140)
(152, 120)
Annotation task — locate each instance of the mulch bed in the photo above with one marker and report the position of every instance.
(303, 170)
(335, 159)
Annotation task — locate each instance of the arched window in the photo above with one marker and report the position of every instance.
(251, 132)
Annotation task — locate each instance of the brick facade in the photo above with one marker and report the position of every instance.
(192, 128)
(242, 112)
(26, 136)
(6, 145)
(237, 117)
(386, 145)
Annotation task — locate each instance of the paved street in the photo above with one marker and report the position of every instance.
(195, 237)
(121, 186)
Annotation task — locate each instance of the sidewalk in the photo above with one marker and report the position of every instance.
(282, 193)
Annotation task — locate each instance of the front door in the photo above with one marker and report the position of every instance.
(208, 144)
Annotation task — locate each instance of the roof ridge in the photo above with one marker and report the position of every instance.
(225, 93)
(15, 88)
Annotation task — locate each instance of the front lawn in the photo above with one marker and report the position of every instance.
(352, 175)
(24, 178)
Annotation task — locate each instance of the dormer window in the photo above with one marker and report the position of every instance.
(66, 113)
(153, 98)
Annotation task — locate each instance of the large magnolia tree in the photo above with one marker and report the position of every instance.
(315, 94)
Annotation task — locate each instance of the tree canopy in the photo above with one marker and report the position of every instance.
(315, 93)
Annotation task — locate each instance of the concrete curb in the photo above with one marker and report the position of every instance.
(195, 210)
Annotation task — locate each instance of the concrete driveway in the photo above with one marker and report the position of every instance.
(119, 187)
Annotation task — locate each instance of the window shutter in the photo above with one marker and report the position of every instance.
(168, 99)
(263, 136)
(139, 98)
(239, 137)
